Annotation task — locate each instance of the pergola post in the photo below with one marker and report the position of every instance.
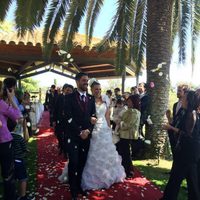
(19, 84)
(123, 79)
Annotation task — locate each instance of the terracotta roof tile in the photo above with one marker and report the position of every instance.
(36, 39)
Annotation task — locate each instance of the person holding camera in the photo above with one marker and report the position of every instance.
(8, 109)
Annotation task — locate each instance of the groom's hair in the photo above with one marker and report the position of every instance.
(79, 75)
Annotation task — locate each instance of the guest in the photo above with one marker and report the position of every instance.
(109, 94)
(50, 100)
(59, 118)
(144, 97)
(20, 150)
(117, 93)
(178, 111)
(27, 108)
(187, 150)
(134, 90)
(129, 130)
(8, 109)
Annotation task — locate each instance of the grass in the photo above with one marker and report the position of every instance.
(157, 174)
(32, 166)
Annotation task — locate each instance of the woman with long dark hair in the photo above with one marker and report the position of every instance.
(187, 150)
(8, 109)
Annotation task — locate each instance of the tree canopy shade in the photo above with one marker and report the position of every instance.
(127, 30)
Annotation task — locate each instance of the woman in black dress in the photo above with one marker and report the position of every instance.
(187, 150)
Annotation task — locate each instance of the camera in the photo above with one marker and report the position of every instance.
(5, 93)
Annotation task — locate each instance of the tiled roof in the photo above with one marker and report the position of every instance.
(36, 38)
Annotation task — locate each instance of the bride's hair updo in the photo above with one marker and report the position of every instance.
(93, 82)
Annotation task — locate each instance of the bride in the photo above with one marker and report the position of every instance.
(103, 166)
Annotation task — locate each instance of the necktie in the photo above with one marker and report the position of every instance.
(83, 98)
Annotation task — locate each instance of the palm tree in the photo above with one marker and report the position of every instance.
(159, 29)
(139, 29)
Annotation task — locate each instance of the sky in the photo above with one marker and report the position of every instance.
(178, 73)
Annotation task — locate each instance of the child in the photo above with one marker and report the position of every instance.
(20, 149)
(117, 114)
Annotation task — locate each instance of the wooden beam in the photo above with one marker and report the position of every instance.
(130, 71)
(91, 60)
(22, 68)
(12, 63)
(100, 71)
(96, 66)
(61, 73)
(100, 68)
(35, 67)
(4, 72)
(77, 67)
(33, 74)
(66, 68)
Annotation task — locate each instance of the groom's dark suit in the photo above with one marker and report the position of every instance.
(77, 117)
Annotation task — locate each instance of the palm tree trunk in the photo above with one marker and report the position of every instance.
(159, 19)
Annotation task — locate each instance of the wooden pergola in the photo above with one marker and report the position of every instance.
(22, 58)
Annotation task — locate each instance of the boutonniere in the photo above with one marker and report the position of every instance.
(70, 120)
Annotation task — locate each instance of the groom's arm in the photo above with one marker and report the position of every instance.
(68, 114)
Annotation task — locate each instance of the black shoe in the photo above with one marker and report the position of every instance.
(74, 196)
(23, 198)
(83, 193)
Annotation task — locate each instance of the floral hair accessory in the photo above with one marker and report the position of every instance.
(91, 81)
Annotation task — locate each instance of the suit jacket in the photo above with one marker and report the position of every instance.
(59, 110)
(77, 115)
(174, 109)
(144, 108)
(50, 99)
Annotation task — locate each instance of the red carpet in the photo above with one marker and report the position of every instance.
(50, 166)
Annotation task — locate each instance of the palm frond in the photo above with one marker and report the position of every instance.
(56, 14)
(139, 35)
(123, 36)
(175, 19)
(40, 10)
(5, 5)
(92, 14)
(195, 28)
(183, 29)
(27, 15)
(90, 9)
(112, 34)
(132, 27)
(72, 22)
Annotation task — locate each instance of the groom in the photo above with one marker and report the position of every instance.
(79, 108)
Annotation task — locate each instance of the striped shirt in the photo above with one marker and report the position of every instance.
(19, 146)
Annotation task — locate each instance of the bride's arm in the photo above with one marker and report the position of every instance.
(107, 115)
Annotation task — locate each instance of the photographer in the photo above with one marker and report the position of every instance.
(8, 109)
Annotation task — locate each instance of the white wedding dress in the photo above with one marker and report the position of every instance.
(103, 166)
